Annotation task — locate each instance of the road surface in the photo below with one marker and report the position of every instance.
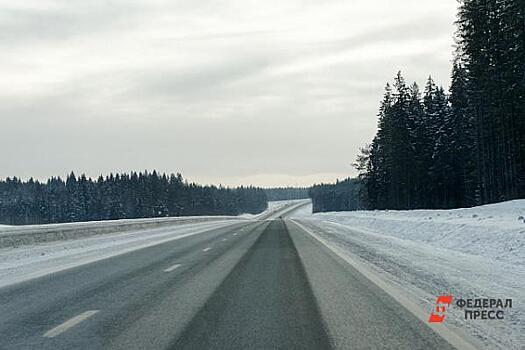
(261, 284)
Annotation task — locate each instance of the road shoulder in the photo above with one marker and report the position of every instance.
(358, 314)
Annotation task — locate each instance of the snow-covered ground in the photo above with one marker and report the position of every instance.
(26, 262)
(14, 236)
(470, 253)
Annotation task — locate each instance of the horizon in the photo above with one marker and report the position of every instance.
(160, 173)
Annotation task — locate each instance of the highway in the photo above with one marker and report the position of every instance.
(259, 284)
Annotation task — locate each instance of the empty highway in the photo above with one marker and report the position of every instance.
(259, 284)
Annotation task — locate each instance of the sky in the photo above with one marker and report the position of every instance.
(269, 93)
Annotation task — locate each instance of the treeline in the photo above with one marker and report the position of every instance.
(341, 196)
(462, 148)
(120, 196)
(286, 193)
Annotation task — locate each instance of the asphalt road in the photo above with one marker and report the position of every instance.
(256, 285)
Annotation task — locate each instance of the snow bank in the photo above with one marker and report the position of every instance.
(13, 236)
(495, 230)
(470, 253)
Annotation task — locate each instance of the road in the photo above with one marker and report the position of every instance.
(262, 284)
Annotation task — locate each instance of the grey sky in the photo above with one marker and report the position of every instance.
(236, 92)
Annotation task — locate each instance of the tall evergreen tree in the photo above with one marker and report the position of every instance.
(491, 48)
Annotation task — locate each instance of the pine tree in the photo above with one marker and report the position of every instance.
(490, 40)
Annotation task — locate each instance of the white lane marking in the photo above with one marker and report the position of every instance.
(206, 249)
(171, 268)
(69, 324)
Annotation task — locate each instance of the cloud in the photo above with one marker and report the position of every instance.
(46, 21)
(221, 91)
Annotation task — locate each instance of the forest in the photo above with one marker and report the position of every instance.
(341, 196)
(456, 148)
(120, 196)
(286, 193)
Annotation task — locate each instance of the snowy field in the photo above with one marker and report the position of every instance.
(469, 253)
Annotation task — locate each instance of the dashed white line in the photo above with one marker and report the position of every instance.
(171, 268)
(69, 324)
(206, 249)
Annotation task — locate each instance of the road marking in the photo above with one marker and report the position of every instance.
(69, 324)
(206, 249)
(171, 268)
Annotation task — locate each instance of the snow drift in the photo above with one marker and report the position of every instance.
(471, 253)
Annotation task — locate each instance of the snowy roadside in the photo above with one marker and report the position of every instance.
(469, 253)
(14, 236)
(26, 262)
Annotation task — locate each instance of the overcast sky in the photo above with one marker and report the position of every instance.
(270, 92)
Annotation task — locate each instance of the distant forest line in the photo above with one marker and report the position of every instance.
(120, 196)
(342, 196)
(287, 193)
(128, 196)
(461, 148)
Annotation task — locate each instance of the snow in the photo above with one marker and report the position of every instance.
(275, 207)
(469, 253)
(26, 262)
(15, 236)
